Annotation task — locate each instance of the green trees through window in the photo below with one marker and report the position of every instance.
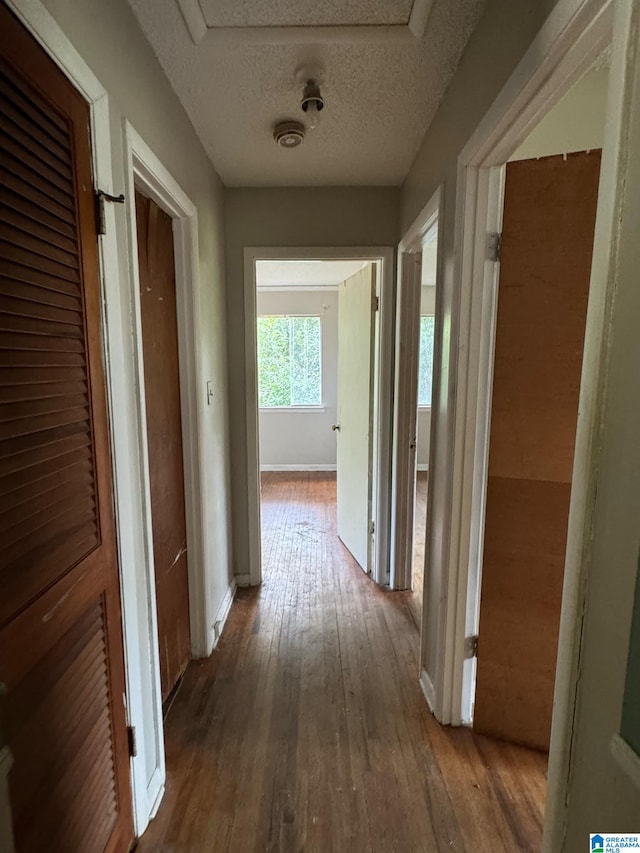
(425, 366)
(289, 361)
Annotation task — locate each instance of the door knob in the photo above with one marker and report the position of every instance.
(335, 427)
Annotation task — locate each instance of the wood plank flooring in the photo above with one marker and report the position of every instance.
(306, 730)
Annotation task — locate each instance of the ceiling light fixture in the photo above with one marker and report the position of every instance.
(312, 103)
(289, 134)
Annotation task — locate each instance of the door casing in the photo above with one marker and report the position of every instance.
(383, 256)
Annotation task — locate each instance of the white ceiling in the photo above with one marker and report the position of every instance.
(233, 65)
(304, 274)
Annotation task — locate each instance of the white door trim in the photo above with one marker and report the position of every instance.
(569, 41)
(146, 172)
(383, 368)
(408, 295)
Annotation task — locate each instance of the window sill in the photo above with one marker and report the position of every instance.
(424, 408)
(291, 409)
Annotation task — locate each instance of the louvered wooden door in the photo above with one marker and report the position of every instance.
(61, 655)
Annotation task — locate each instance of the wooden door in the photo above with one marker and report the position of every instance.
(164, 436)
(61, 652)
(547, 243)
(355, 383)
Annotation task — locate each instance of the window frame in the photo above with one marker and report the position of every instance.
(308, 408)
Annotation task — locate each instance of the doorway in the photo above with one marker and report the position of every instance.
(542, 287)
(321, 406)
(157, 287)
(316, 334)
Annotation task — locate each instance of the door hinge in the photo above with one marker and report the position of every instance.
(372, 528)
(471, 647)
(101, 197)
(494, 247)
(131, 738)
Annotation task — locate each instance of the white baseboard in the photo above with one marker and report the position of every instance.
(422, 466)
(627, 759)
(298, 467)
(223, 612)
(243, 580)
(428, 689)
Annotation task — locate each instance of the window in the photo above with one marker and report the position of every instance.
(289, 362)
(425, 366)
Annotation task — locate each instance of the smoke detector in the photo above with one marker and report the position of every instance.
(289, 134)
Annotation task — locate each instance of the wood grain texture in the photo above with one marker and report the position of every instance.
(307, 731)
(61, 655)
(164, 436)
(547, 244)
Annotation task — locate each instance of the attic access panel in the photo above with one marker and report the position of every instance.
(305, 13)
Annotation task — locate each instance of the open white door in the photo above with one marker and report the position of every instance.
(405, 419)
(356, 307)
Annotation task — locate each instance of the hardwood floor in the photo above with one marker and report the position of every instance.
(419, 532)
(306, 730)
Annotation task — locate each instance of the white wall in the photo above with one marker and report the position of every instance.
(576, 123)
(108, 38)
(303, 439)
(427, 306)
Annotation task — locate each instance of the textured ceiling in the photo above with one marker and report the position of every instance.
(272, 274)
(381, 93)
(296, 13)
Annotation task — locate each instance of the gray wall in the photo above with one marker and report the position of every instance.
(303, 438)
(331, 216)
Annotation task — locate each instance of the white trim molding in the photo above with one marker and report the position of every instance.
(383, 391)
(223, 612)
(413, 29)
(405, 391)
(626, 758)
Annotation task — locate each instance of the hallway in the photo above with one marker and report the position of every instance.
(306, 730)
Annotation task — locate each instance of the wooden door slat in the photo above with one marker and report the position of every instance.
(23, 427)
(40, 391)
(43, 117)
(21, 220)
(35, 244)
(21, 307)
(54, 444)
(40, 295)
(51, 225)
(30, 444)
(25, 158)
(18, 185)
(39, 263)
(17, 126)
